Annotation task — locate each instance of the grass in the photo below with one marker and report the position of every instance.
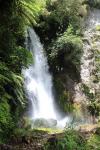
(98, 28)
(93, 142)
(50, 130)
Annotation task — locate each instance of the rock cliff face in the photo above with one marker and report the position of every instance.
(88, 89)
(90, 48)
(85, 91)
(76, 88)
(91, 58)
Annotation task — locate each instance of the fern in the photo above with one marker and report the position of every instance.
(30, 10)
(15, 81)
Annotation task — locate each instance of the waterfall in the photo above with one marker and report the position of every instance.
(39, 81)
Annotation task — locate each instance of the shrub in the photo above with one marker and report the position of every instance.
(6, 123)
(93, 101)
(57, 16)
(66, 50)
(94, 3)
(71, 140)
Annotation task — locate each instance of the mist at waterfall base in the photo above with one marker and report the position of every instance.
(38, 84)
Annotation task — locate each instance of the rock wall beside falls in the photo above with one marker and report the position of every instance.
(87, 92)
(90, 70)
(76, 86)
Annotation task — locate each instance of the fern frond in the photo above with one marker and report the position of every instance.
(30, 10)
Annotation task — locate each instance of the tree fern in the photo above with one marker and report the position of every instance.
(30, 10)
(15, 82)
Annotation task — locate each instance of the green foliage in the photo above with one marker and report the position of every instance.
(6, 122)
(30, 10)
(98, 27)
(71, 140)
(68, 48)
(65, 102)
(65, 53)
(97, 64)
(11, 84)
(57, 16)
(63, 95)
(93, 104)
(13, 57)
(20, 132)
(18, 61)
(87, 92)
(93, 142)
(64, 12)
(94, 3)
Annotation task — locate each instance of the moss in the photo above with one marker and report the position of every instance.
(93, 142)
(71, 140)
(77, 112)
(6, 122)
(98, 27)
(50, 130)
(64, 95)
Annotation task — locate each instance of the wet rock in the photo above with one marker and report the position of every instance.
(98, 131)
(5, 147)
(52, 142)
(47, 123)
(85, 40)
(25, 122)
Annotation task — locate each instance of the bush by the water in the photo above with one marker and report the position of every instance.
(68, 49)
(72, 140)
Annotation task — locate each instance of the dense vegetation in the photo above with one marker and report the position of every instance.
(60, 27)
(13, 18)
(75, 140)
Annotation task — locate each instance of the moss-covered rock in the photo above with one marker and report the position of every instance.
(98, 27)
(46, 123)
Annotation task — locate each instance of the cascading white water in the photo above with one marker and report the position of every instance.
(39, 81)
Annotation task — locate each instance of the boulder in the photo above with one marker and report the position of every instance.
(98, 131)
(46, 123)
